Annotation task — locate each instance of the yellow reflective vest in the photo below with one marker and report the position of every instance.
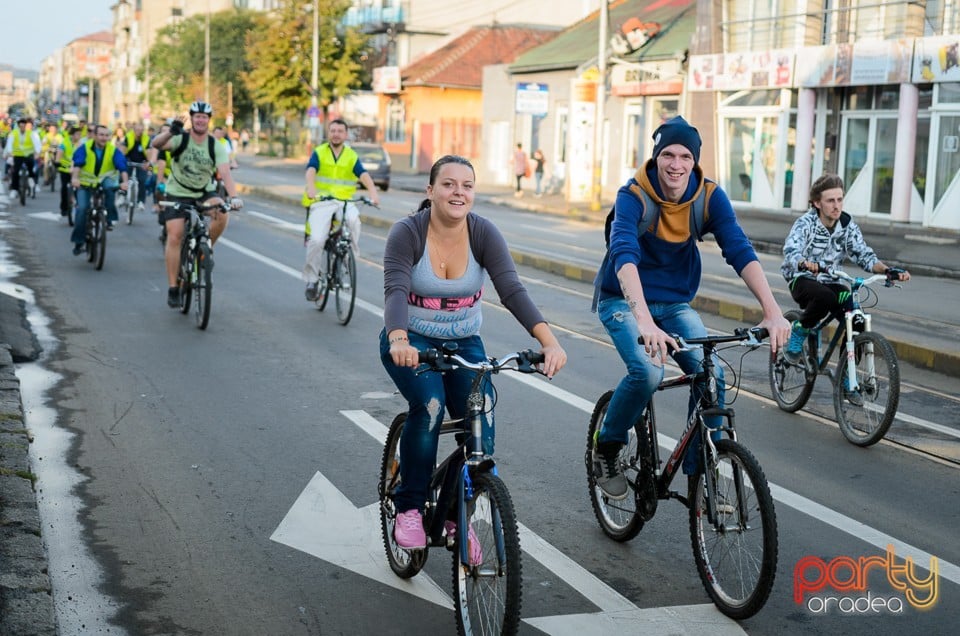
(23, 144)
(66, 159)
(335, 178)
(144, 141)
(89, 176)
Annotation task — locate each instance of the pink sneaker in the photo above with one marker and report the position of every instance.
(476, 551)
(408, 530)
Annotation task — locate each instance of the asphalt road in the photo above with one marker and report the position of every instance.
(225, 478)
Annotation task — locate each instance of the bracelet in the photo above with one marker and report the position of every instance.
(399, 339)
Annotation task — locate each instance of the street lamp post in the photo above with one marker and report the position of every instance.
(595, 202)
(206, 57)
(315, 71)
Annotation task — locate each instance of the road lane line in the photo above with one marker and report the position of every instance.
(807, 506)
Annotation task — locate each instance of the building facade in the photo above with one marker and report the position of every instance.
(870, 91)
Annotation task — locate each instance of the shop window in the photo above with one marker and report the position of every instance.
(888, 97)
(751, 98)
(859, 98)
(948, 93)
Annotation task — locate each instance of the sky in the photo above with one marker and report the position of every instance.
(34, 29)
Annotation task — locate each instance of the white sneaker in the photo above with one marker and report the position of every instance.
(139, 207)
(33, 183)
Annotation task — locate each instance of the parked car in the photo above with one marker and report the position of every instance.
(376, 160)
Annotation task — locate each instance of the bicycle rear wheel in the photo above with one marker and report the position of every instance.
(22, 184)
(736, 555)
(619, 519)
(790, 382)
(345, 293)
(203, 284)
(865, 415)
(101, 238)
(487, 584)
(404, 563)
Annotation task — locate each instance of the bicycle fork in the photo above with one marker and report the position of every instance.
(852, 384)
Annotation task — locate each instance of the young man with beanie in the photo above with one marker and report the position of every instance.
(646, 283)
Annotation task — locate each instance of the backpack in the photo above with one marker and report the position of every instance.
(185, 139)
(651, 212)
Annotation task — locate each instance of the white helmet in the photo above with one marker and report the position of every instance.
(201, 107)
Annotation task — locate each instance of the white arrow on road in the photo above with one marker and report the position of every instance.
(325, 524)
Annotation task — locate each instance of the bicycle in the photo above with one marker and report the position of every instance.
(49, 171)
(466, 489)
(23, 184)
(341, 274)
(96, 227)
(733, 524)
(196, 260)
(866, 382)
(130, 202)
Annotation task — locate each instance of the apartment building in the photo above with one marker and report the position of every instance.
(784, 91)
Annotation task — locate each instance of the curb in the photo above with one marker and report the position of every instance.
(927, 358)
(26, 596)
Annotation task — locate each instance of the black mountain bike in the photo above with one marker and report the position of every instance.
(341, 275)
(866, 383)
(466, 490)
(194, 275)
(23, 184)
(96, 227)
(733, 525)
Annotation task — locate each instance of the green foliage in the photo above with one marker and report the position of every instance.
(177, 62)
(280, 53)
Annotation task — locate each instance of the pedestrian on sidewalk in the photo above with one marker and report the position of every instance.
(648, 279)
(540, 160)
(521, 168)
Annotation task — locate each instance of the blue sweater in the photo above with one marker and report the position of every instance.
(667, 256)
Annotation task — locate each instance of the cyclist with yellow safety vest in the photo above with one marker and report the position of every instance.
(65, 167)
(96, 162)
(195, 157)
(333, 171)
(24, 146)
(136, 144)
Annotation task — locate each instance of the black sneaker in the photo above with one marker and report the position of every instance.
(610, 477)
(173, 297)
(78, 249)
(312, 292)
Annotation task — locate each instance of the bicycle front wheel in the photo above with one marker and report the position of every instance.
(22, 185)
(487, 583)
(790, 382)
(619, 519)
(185, 278)
(203, 284)
(101, 238)
(326, 281)
(865, 414)
(736, 554)
(346, 286)
(404, 563)
(131, 198)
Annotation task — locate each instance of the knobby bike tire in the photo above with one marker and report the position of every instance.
(101, 226)
(404, 563)
(488, 594)
(737, 561)
(346, 275)
(91, 236)
(203, 265)
(865, 416)
(185, 277)
(619, 519)
(326, 281)
(790, 382)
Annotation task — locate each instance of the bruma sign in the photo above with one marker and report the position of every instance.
(842, 584)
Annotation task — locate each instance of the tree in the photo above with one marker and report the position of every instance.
(177, 61)
(280, 54)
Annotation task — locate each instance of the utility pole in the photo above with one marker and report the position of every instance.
(206, 57)
(315, 72)
(595, 202)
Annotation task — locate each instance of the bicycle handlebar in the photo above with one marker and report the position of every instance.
(888, 278)
(327, 197)
(441, 360)
(748, 337)
(200, 209)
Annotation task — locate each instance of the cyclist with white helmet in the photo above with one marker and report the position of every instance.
(195, 157)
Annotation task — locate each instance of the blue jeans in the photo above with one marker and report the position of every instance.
(84, 196)
(635, 390)
(428, 395)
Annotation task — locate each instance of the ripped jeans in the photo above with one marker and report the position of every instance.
(428, 395)
(643, 376)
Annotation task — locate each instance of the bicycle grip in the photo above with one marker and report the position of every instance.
(429, 356)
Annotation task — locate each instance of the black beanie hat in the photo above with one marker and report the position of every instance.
(677, 131)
